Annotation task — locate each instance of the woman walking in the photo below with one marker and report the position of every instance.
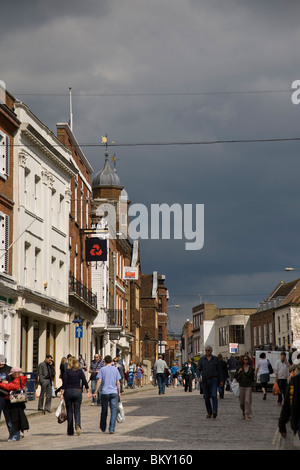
(71, 391)
(17, 419)
(264, 373)
(139, 375)
(245, 377)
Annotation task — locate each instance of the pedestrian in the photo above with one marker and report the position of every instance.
(52, 366)
(108, 379)
(122, 371)
(262, 370)
(131, 375)
(245, 377)
(295, 368)
(290, 410)
(209, 373)
(71, 392)
(139, 374)
(167, 376)
(95, 366)
(159, 370)
(175, 371)
(282, 369)
(82, 363)
(223, 376)
(232, 365)
(45, 373)
(17, 420)
(4, 377)
(189, 373)
(62, 367)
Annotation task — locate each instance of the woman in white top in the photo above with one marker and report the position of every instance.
(264, 373)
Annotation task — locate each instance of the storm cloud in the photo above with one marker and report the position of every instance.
(178, 71)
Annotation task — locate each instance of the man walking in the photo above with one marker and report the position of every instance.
(109, 378)
(282, 368)
(159, 371)
(209, 374)
(95, 366)
(45, 379)
(232, 365)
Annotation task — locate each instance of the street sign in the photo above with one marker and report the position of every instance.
(78, 332)
(95, 249)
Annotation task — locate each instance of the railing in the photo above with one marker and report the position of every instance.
(82, 291)
(114, 317)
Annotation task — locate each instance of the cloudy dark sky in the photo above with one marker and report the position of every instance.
(149, 71)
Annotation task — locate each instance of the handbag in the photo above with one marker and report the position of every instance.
(270, 367)
(235, 388)
(61, 413)
(120, 415)
(18, 396)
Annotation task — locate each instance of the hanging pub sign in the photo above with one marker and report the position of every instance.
(95, 249)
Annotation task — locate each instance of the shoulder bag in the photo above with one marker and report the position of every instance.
(18, 396)
(270, 367)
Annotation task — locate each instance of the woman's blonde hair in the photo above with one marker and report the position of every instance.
(73, 363)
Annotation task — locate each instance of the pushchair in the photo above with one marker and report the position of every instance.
(130, 380)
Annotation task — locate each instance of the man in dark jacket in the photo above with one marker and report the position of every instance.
(209, 374)
(291, 409)
(45, 372)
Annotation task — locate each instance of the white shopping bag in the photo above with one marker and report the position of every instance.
(120, 415)
(235, 388)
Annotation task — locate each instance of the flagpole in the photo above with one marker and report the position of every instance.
(71, 111)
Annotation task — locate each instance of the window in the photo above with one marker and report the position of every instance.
(37, 194)
(26, 262)
(4, 242)
(255, 336)
(259, 335)
(266, 336)
(37, 273)
(222, 336)
(236, 334)
(4, 155)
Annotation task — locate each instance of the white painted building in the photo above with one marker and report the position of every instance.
(42, 173)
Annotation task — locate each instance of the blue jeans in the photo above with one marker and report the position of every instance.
(112, 399)
(209, 387)
(73, 399)
(282, 384)
(161, 380)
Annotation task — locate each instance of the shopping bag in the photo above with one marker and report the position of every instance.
(120, 414)
(276, 389)
(235, 388)
(61, 413)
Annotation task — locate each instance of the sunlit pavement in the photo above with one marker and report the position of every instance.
(174, 421)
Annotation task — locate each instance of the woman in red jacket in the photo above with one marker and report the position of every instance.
(18, 421)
